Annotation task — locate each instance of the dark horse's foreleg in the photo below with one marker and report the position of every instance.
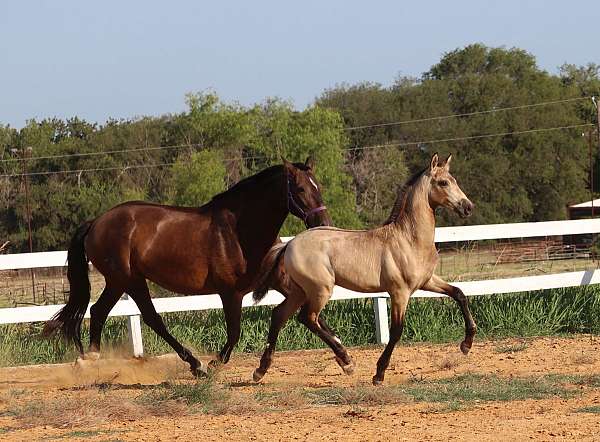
(279, 317)
(399, 301)
(232, 308)
(140, 294)
(98, 314)
(438, 285)
(310, 318)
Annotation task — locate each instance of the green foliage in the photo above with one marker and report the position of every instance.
(212, 145)
(197, 177)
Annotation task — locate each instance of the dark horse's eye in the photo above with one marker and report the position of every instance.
(443, 183)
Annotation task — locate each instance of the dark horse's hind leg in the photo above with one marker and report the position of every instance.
(310, 320)
(98, 314)
(232, 308)
(141, 295)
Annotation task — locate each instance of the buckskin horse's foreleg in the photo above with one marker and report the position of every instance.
(438, 285)
(399, 301)
(141, 296)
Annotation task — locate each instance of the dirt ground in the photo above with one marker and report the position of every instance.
(72, 389)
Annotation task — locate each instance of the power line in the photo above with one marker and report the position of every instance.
(473, 137)
(377, 146)
(191, 145)
(468, 114)
(107, 152)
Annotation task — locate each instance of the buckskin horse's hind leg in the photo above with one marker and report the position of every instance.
(140, 294)
(98, 314)
(279, 317)
(309, 317)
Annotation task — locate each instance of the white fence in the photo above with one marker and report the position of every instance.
(126, 307)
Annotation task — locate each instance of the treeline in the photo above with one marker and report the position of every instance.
(75, 170)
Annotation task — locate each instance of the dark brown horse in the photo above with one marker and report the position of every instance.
(216, 248)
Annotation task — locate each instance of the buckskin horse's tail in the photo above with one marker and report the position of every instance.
(268, 268)
(69, 318)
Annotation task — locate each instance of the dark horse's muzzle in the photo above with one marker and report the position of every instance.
(317, 217)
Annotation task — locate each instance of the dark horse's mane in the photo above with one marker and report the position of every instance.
(252, 181)
(401, 197)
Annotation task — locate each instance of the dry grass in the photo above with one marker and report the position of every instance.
(84, 408)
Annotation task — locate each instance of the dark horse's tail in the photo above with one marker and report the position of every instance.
(268, 269)
(69, 318)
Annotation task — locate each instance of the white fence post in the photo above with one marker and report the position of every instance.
(382, 331)
(134, 329)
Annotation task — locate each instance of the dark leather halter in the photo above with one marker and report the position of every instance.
(292, 203)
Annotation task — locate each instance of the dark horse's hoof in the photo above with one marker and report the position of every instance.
(348, 368)
(377, 380)
(465, 347)
(214, 365)
(258, 375)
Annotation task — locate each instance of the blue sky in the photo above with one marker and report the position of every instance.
(124, 59)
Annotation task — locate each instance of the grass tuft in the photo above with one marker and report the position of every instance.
(511, 348)
(595, 409)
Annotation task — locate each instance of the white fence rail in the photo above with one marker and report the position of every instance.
(126, 307)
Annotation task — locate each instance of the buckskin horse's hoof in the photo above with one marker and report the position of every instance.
(258, 375)
(348, 368)
(465, 347)
(91, 356)
(199, 371)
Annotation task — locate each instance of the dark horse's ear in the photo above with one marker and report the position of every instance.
(310, 163)
(288, 167)
(434, 161)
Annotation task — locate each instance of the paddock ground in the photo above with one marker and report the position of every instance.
(305, 396)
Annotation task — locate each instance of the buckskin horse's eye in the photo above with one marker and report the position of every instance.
(443, 183)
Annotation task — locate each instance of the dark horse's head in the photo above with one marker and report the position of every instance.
(304, 198)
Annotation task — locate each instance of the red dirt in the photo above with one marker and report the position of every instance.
(546, 419)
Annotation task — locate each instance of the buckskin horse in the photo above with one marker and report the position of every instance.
(399, 257)
(216, 248)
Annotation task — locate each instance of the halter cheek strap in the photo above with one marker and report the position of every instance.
(293, 203)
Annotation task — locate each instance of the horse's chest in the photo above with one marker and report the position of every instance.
(414, 270)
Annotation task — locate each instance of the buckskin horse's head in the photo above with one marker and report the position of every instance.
(304, 197)
(444, 190)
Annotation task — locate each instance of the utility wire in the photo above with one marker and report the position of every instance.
(467, 114)
(473, 137)
(181, 146)
(377, 146)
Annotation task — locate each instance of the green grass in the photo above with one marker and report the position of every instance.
(484, 388)
(451, 394)
(543, 313)
(595, 409)
(203, 394)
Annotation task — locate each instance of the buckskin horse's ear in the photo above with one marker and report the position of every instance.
(434, 162)
(447, 163)
(310, 162)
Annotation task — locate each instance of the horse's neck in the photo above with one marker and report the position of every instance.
(262, 211)
(416, 222)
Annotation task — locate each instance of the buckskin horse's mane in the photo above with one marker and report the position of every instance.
(401, 197)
